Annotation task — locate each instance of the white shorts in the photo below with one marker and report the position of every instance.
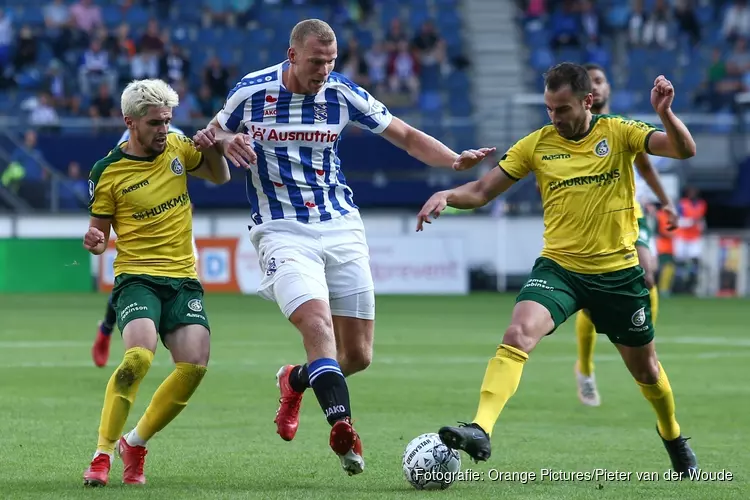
(324, 260)
(687, 249)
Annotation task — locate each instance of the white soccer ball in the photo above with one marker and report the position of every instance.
(429, 464)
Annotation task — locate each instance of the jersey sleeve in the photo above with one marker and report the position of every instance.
(192, 158)
(231, 117)
(635, 134)
(101, 193)
(365, 111)
(516, 162)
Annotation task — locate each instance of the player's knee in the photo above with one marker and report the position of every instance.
(133, 369)
(519, 335)
(356, 360)
(313, 320)
(647, 371)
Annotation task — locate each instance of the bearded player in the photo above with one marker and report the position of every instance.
(588, 393)
(584, 166)
(100, 349)
(283, 124)
(140, 191)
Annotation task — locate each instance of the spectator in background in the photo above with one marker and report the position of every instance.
(28, 158)
(104, 105)
(57, 23)
(377, 65)
(737, 21)
(205, 101)
(95, 68)
(174, 66)
(684, 12)
(216, 76)
(188, 108)
(6, 38)
(27, 49)
(43, 115)
(152, 41)
(593, 23)
(636, 23)
(74, 191)
(86, 16)
(352, 64)
(403, 71)
(566, 26)
(395, 36)
(720, 86)
(57, 84)
(429, 47)
(656, 27)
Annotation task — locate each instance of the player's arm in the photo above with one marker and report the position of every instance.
(651, 176)
(429, 150)
(96, 238)
(211, 164)
(676, 140)
(474, 194)
(227, 128)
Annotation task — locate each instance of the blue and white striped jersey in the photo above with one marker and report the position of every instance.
(298, 174)
(126, 134)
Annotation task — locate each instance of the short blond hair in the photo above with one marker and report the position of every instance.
(316, 28)
(140, 95)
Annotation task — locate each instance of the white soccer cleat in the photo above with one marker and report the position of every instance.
(352, 463)
(587, 391)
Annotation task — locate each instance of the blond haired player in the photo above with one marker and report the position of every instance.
(584, 166)
(588, 393)
(100, 349)
(140, 191)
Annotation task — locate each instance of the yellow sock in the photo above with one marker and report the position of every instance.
(586, 334)
(661, 398)
(170, 398)
(654, 294)
(120, 395)
(666, 276)
(500, 383)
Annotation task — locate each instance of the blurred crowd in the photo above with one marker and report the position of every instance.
(90, 63)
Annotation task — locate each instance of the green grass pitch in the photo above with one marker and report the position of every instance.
(430, 355)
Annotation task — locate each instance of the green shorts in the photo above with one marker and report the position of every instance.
(618, 302)
(168, 302)
(644, 233)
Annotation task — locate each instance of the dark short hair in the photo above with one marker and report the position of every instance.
(594, 66)
(574, 75)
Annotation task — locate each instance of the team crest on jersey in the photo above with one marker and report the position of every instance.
(271, 267)
(91, 190)
(195, 305)
(320, 111)
(639, 317)
(177, 167)
(602, 148)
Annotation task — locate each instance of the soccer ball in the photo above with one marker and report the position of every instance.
(429, 464)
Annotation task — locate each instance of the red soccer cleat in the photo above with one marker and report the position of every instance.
(98, 472)
(100, 350)
(287, 416)
(346, 444)
(133, 459)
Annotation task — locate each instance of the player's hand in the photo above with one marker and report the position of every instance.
(434, 206)
(205, 139)
(469, 158)
(672, 217)
(93, 240)
(662, 94)
(239, 149)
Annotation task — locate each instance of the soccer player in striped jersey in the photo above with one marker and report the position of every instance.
(100, 349)
(283, 125)
(588, 393)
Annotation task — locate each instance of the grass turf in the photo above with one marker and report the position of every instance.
(430, 356)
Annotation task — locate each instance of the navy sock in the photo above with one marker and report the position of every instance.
(330, 388)
(299, 378)
(110, 318)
